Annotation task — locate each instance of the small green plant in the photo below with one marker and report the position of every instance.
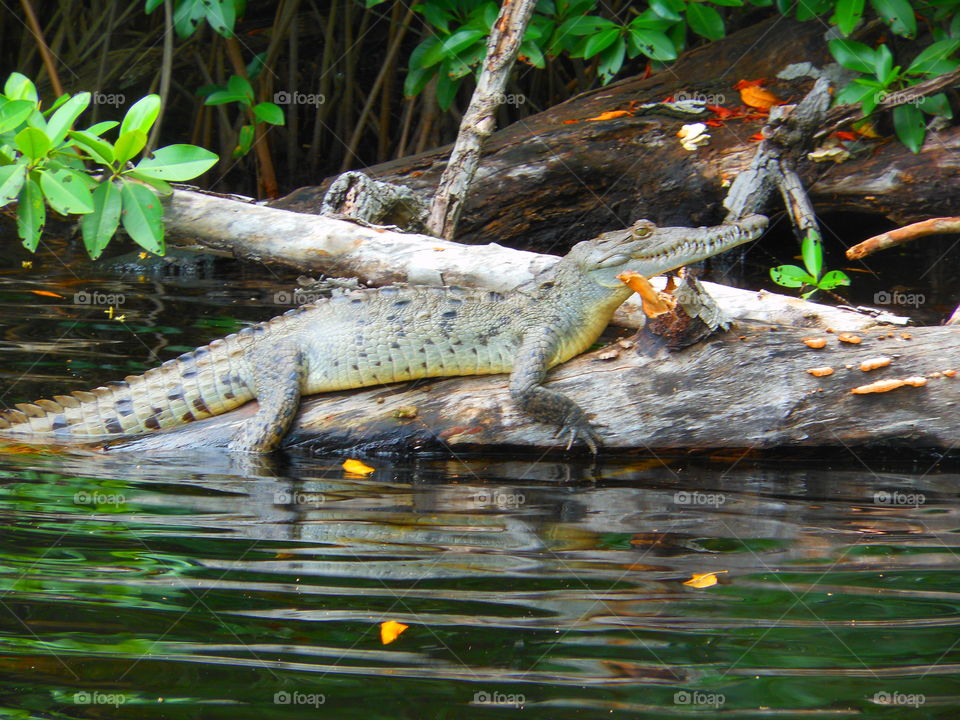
(43, 161)
(240, 91)
(794, 276)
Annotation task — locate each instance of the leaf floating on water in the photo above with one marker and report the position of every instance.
(47, 293)
(390, 631)
(703, 580)
(356, 467)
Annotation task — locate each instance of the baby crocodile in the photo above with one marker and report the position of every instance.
(375, 336)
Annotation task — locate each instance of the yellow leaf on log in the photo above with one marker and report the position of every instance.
(390, 631)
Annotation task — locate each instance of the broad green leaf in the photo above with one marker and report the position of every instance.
(11, 181)
(142, 216)
(812, 8)
(882, 63)
(649, 20)
(937, 105)
(898, 14)
(100, 150)
(32, 142)
(832, 279)
(437, 16)
(446, 88)
(611, 60)
(653, 44)
(20, 87)
(101, 127)
(854, 55)
(222, 97)
(66, 192)
(451, 46)
(255, 66)
(240, 86)
(705, 21)
(141, 115)
(177, 162)
(269, 113)
(812, 251)
(129, 144)
(221, 16)
(160, 186)
(933, 55)
(14, 113)
(101, 225)
(584, 25)
(417, 75)
(244, 141)
(666, 10)
(31, 214)
(601, 41)
(531, 51)
(152, 5)
(909, 126)
(791, 276)
(848, 14)
(62, 120)
(187, 17)
(56, 104)
(728, 3)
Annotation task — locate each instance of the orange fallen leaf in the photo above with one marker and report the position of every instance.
(844, 135)
(743, 84)
(759, 98)
(654, 303)
(357, 468)
(46, 293)
(703, 580)
(723, 112)
(390, 631)
(610, 115)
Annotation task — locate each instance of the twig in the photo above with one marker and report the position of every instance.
(933, 226)
(45, 53)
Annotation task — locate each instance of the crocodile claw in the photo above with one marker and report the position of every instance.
(583, 431)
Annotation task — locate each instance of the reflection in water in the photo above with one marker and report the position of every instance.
(547, 586)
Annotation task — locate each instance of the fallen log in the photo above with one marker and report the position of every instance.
(747, 388)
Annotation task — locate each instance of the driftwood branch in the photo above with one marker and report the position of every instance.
(933, 226)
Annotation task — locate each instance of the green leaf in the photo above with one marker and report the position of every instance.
(446, 88)
(909, 126)
(14, 113)
(932, 56)
(531, 51)
(585, 25)
(160, 186)
(653, 44)
(255, 66)
(31, 214)
(728, 3)
(142, 216)
(601, 41)
(791, 276)
(898, 14)
(62, 120)
(32, 142)
(129, 144)
(812, 250)
(20, 87)
(437, 16)
(937, 105)
(705, 21)
(141, 115)
(66, 192)
(853, 55)
(152, 5)
(832, 279)
(666, 10)
(848, 14)
(882, 63)
(101, 127)
(222, 97)
(451, 46)
(187, 16)
(242, 87)
(221, 16)
(649, 20)
(269, 113)
(417, 75)
(12, 178)
(177, 163)
(611, 60)
(244, 141)
(56, 104)
(100, 150)
(101, 225)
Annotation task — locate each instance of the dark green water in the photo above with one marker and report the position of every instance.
(145, 588)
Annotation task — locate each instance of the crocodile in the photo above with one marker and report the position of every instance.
(363, 337)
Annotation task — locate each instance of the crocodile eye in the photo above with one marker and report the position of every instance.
(641, 231)
(613, 261)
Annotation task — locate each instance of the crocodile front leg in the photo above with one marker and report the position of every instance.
(548, 406)
(277, 374)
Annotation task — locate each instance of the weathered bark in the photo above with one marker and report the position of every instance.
(555, 178)
(747, 388)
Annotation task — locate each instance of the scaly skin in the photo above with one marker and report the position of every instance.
(384, 335)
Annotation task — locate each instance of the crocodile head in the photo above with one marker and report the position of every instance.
(646, 249)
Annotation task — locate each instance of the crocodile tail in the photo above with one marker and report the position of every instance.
(207, 381)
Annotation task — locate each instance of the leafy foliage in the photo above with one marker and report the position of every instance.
(43, 161)
(809, 275)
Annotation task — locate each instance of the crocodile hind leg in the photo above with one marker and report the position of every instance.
(277, 374)
(548, 406)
